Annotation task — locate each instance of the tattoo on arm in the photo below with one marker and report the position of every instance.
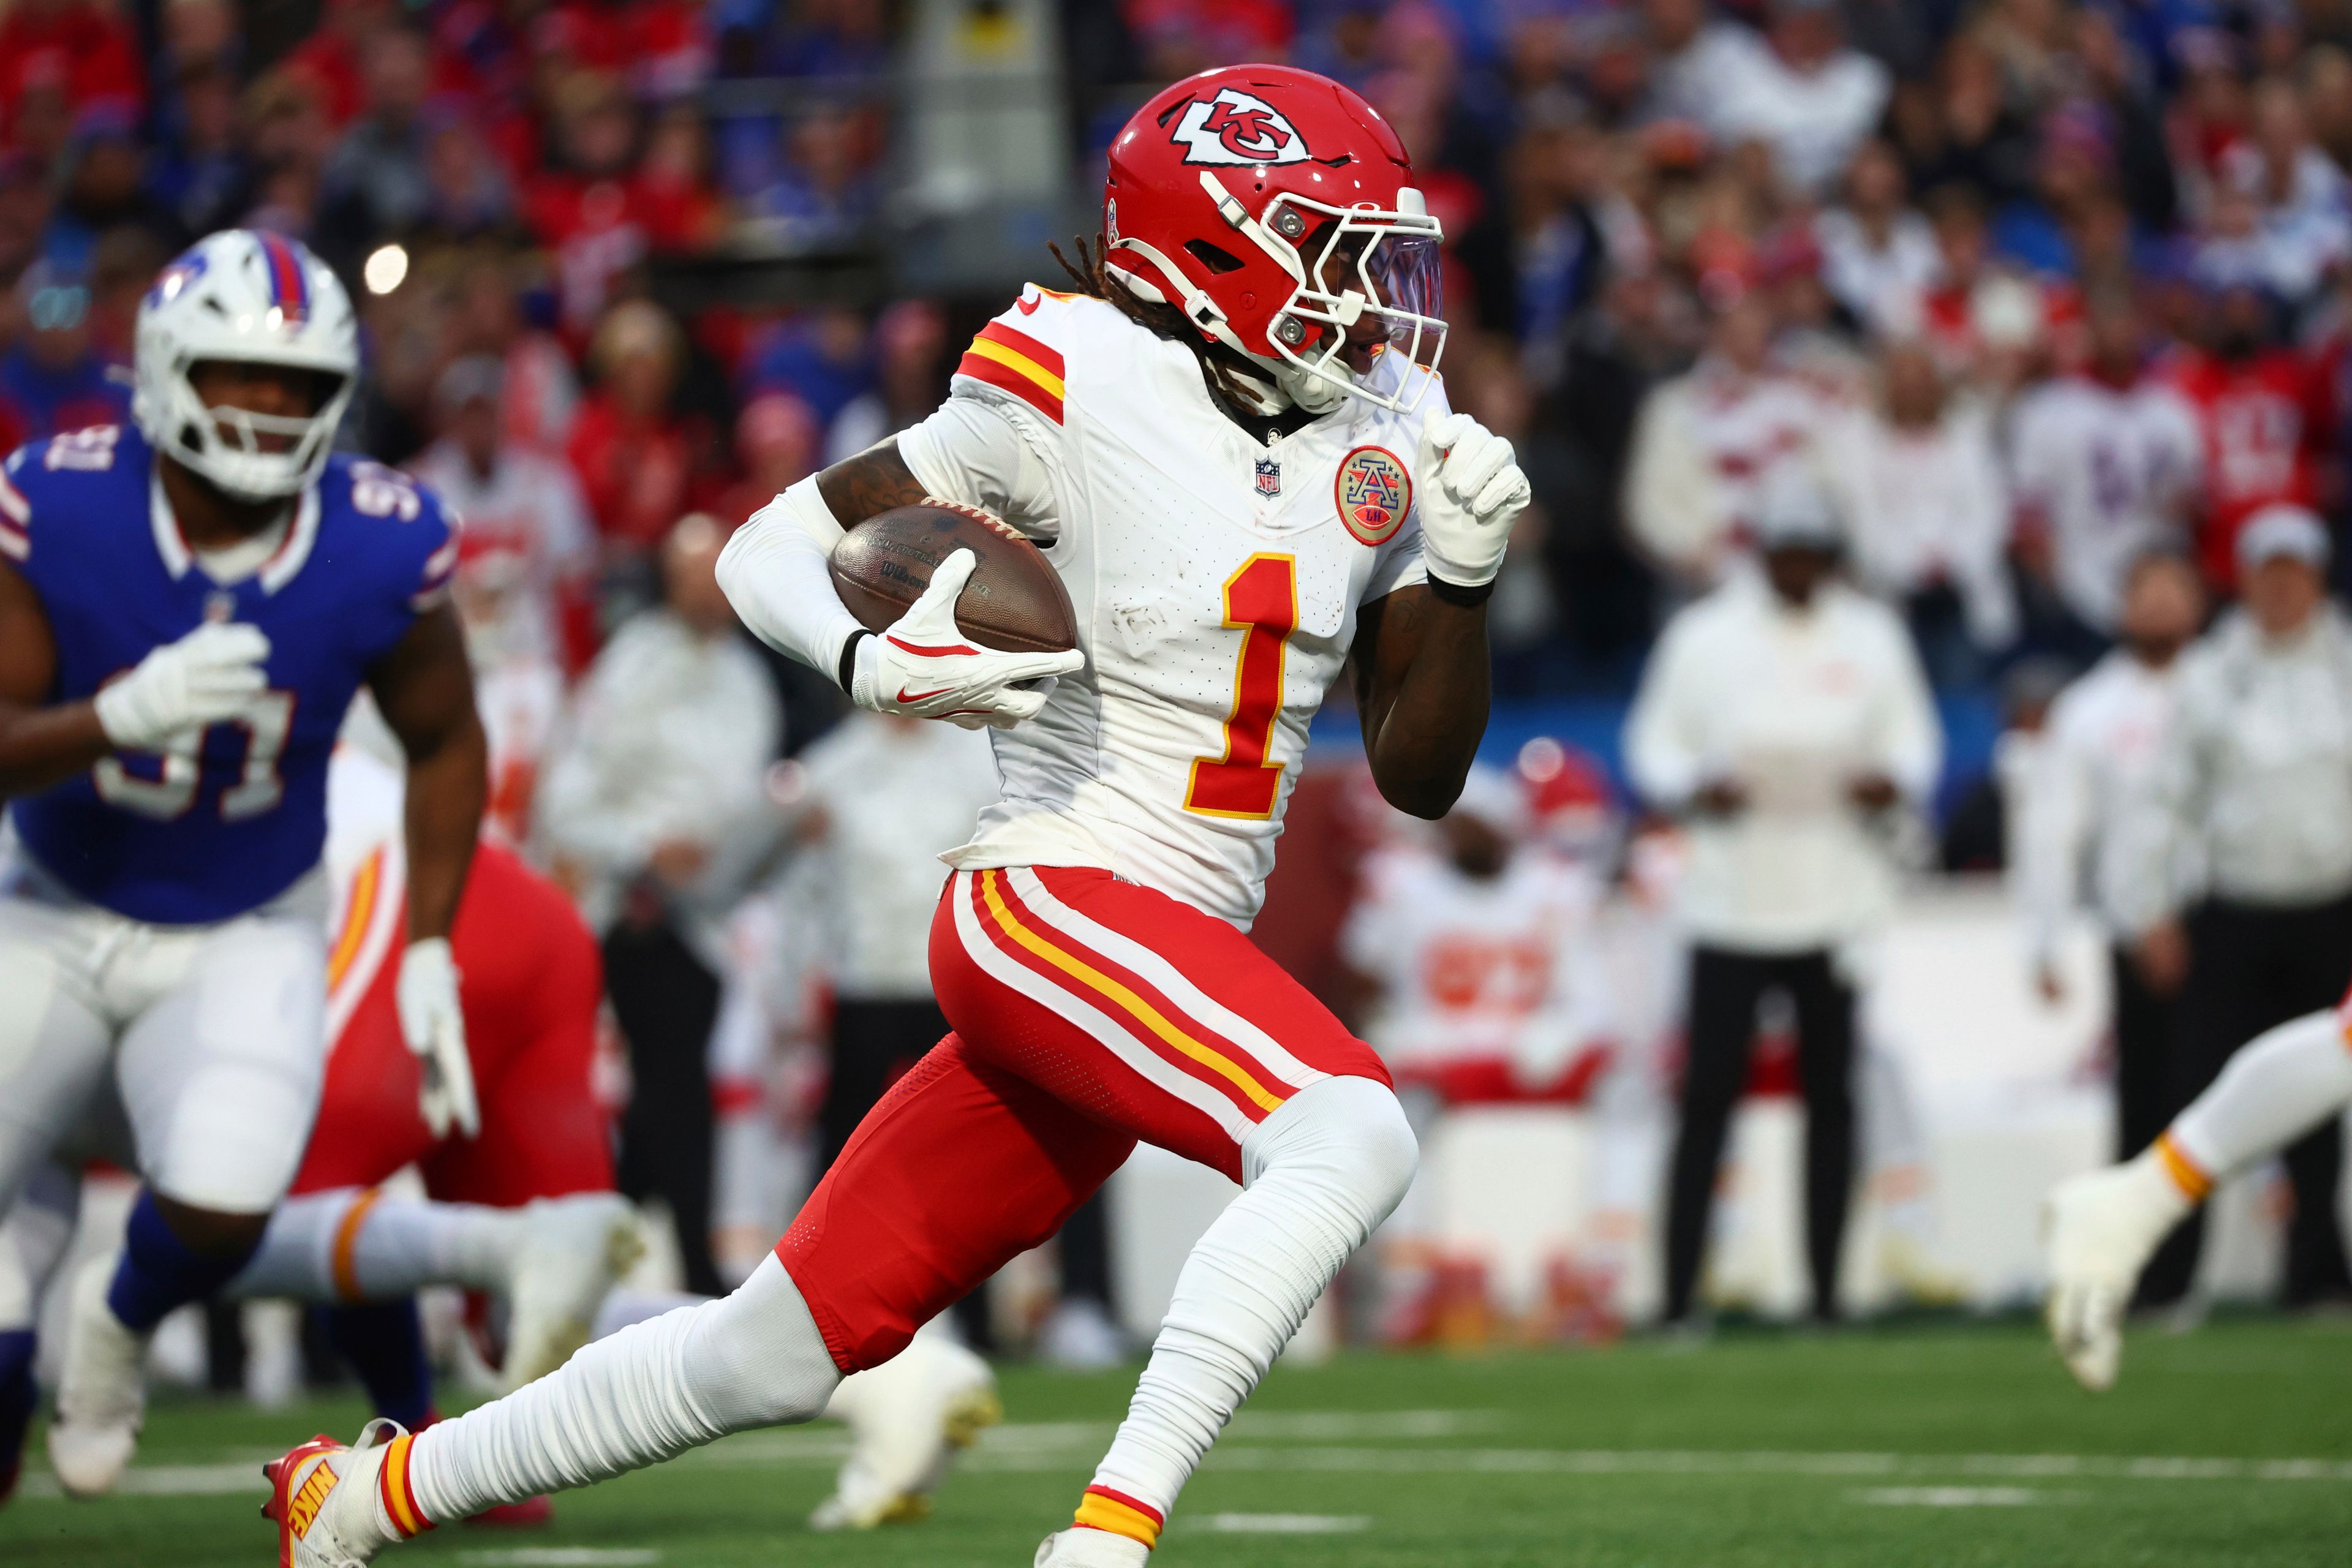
(868, 484)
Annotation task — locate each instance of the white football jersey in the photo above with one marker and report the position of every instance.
(2109, 469)
(1216, 579)
(1509, 968)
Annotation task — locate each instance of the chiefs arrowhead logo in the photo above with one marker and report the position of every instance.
(1236, 128)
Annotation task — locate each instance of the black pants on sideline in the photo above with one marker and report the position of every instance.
(1725, 990)
(2251, 968)
(2144, 1080)
(667, 1002)
(874, 1044)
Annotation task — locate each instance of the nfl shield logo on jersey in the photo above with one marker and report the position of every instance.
(1374, 492)
(1269, 478)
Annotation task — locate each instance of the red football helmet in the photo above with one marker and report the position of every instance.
(1277, 210)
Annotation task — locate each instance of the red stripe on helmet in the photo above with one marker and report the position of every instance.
(288, 290)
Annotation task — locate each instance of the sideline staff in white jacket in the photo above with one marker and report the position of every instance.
(2071, 819)
(2254, 792)
(1787, 721)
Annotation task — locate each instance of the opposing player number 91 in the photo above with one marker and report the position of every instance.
(267, 723)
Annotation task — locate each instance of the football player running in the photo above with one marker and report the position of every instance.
(2099, 1229)
(186, 608)
(1227, 445)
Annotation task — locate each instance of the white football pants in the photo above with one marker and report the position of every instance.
(215, 1036)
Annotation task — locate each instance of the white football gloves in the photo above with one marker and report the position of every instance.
(1471, 492)
(434, 1025)
(210, 675)
(924, 667)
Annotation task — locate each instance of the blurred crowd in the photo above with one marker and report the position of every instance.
(1923, 249)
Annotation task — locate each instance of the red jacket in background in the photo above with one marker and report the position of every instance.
(2265, 424)
(634, 471)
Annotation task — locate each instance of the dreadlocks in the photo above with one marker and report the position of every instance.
(1239, 385)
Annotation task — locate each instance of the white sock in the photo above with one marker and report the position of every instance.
(2276, 1088)
(650, 1392)
(1322, 1173)
(355, 1244)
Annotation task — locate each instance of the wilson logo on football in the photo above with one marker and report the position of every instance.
(1373, 492)
(1236, 128)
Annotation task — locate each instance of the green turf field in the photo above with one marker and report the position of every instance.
(1915, 1448)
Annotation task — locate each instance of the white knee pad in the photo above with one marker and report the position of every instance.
(1350, 1139)
(755, 1357)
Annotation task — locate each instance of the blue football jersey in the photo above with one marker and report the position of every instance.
(228, 825)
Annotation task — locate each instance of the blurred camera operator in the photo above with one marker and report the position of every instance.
(1785, 717)
(2239, 864)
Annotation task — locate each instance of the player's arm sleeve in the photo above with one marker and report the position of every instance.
(975, 451)
(775, 571)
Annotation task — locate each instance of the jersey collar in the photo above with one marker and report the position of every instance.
(279, 569)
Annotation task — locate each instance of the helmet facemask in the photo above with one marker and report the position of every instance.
(229, 446)
(1362, 264)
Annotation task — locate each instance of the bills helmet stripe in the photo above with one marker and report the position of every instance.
(288, 290)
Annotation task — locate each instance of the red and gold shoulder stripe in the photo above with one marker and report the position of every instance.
(1011, 360)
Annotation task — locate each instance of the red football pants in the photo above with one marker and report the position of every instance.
(1088, 1013)
(532, 981)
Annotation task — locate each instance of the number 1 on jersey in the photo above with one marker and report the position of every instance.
(1262, 603)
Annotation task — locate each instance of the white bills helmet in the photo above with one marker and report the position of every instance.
(255, 298)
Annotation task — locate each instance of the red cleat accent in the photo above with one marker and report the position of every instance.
(279, 1472)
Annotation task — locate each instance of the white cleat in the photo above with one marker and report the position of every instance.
(2098, 1231)
(908, 1419)
(322, 1498)
(102, 1389)
(572, 1251)
(1091, 1548)
(1080, 1337)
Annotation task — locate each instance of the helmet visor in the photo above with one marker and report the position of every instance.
(1404, 276)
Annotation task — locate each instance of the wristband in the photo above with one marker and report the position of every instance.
(1455, 593)
(848, 670)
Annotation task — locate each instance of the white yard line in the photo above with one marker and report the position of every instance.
(1283, 1523)
(1957, 1497)
(566, 1556)
(1046, 1446)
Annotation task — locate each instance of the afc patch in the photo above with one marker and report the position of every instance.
(1269, 478)
(1373, 492)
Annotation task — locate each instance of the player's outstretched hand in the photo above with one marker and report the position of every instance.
(434, 1025)
(211, 674)
(924, 668)
(1471, 492)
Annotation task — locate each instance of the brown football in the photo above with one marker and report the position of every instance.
(1014, 603)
